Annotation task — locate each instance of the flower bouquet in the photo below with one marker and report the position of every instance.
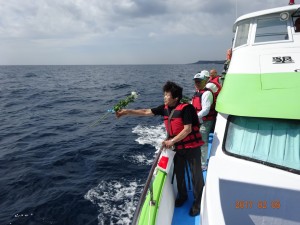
(120, 105)
(124, 102)
(185, 99)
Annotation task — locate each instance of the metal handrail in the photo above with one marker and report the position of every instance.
(144, 193)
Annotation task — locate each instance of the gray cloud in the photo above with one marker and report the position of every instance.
(121, 27)
(141, 8)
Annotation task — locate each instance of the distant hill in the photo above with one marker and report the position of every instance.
(209, 62)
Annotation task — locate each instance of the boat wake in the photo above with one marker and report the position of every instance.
(139, 159)
(116, 200)
(152, 135)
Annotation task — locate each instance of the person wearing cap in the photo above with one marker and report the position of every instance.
(203, 101)
(183, 133)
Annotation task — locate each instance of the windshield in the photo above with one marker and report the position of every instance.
(271, 29)
(242, 34)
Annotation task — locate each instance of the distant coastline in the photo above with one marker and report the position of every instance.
(210, 62)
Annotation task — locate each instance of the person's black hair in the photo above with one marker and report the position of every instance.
(174, 89)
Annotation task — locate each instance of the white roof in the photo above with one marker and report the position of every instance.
(266, 12)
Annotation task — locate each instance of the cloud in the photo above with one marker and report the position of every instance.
(139, 8)
(69, 18)
(152, 35)
(72, 27)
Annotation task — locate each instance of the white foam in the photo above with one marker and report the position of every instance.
(139, 159)
(23, 215)
(153, 135)
(116, 200)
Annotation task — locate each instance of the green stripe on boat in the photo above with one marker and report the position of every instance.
(148, 213)
(272, 95)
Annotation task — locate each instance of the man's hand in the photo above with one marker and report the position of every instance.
(121, 112)
(167, 144)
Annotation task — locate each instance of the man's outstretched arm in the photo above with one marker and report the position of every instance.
(134, 112)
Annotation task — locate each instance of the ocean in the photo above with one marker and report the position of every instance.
(55, 166)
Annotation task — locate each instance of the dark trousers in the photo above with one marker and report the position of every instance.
(192, 156)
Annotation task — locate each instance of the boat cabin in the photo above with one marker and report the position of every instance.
(254, 168)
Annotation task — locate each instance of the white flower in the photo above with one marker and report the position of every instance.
(134, 94)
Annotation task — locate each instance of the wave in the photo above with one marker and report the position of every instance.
(152, 135)
(30, 75)
(116, 200)
(139, 159)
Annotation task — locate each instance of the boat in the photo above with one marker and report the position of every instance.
(253, 175)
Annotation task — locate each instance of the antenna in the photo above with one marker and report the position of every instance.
(235, 9)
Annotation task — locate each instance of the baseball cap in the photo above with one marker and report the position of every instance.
(204, 74)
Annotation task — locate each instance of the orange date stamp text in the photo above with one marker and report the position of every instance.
(260, 204)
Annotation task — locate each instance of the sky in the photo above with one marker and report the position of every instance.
(114, 32)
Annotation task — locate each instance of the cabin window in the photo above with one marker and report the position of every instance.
(271, 29)
(242, 34)
(274, 142)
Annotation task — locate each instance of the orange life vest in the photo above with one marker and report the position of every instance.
(216, 82)
(196, 102)
(174, 125)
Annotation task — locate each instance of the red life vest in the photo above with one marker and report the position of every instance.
(175, 126)
(196, 102)
(217, 83)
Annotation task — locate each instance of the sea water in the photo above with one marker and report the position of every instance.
(55, 168)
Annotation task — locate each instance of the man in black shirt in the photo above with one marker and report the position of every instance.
(182, 125)
(189, 116)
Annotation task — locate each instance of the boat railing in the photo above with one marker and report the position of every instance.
(148, 186)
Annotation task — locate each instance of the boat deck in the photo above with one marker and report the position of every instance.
(181, 214)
